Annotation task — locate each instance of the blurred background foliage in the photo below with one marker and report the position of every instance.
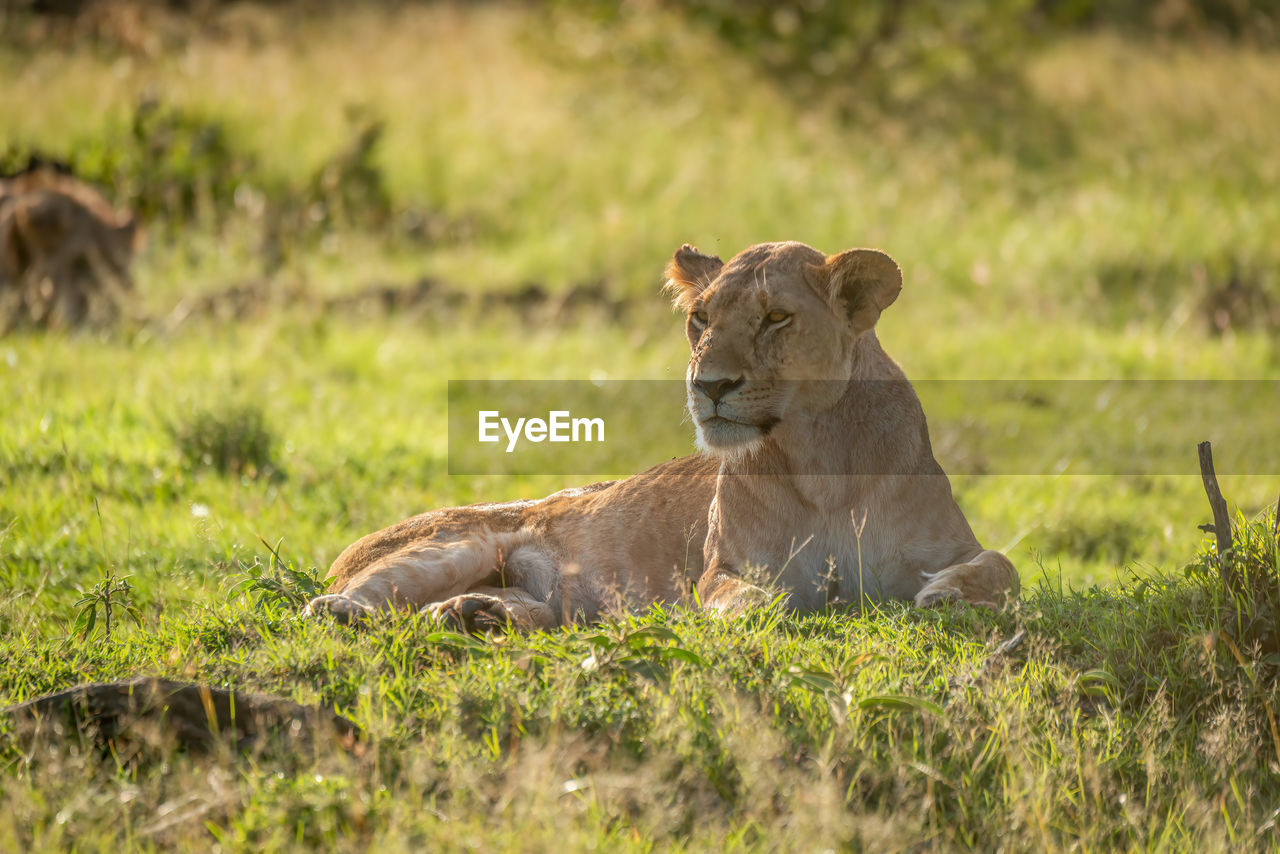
(1111, 160)
(960, 63)
(981, 85)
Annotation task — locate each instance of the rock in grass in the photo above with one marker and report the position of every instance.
(147, 711)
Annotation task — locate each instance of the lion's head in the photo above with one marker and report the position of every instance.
(773, 333)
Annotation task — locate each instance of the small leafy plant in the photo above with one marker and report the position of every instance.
(277, 581)
(112, 593)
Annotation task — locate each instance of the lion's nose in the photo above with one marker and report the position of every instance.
(716, 389)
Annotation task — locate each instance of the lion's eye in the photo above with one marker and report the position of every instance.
(776, 318)
(699, 318)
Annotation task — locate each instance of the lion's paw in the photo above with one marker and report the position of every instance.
(475, 613)
(931, 596)
(342, 609)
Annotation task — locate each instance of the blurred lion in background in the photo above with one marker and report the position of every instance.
(65, 251)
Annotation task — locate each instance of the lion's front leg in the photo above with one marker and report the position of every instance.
(986, 581)
(411, 577)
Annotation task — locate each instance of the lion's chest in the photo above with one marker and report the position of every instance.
(832, 562)
(824, 558)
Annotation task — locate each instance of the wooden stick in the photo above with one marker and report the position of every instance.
(1221, 520)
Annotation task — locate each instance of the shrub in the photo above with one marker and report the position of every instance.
(232, 440)
(1249, 611)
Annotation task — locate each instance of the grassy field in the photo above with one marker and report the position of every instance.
(1115, 221)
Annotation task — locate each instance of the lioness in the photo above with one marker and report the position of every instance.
(816, 473)
(64, 250)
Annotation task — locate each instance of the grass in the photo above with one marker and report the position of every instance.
(1085, 233)
(891, 729)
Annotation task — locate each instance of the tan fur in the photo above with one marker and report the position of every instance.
(816, 477)
(64, 250)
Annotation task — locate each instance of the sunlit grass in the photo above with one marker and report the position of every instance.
(1107, 725)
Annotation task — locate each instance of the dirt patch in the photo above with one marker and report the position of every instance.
(147, 712)
(532, 300)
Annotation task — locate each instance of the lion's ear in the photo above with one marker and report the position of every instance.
(688, 274)
(864, 282)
